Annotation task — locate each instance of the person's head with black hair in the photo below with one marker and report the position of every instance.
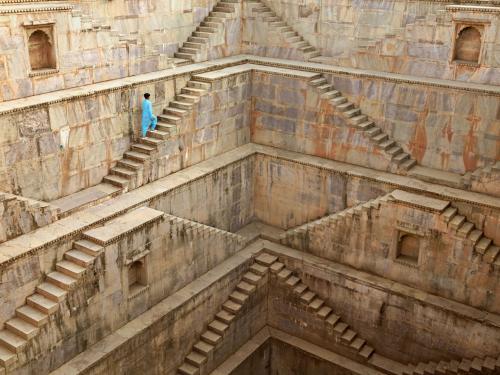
(147, 95)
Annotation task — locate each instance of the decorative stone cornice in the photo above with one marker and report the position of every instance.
(33, 8)
(472, 8)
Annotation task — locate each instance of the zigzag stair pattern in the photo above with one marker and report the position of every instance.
(211, 25)
(193, 228)
(296, 236)
(361, 122)
(128, 174)
(467, 230)
(195, 363)
(46, 300)
(286, 31)
(487, 365)
(315, 304)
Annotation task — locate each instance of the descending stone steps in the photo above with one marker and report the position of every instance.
(297, 236)
(209, 27)
(467, 230)
(316, 305)
(487, 365)
(361, 122)
(17, 331)
(484, 173)
(198, 360)
(131, 172)
(291, 36)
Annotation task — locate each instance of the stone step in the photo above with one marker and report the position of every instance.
(21, 328)
(408, 164)
(332, 320)
(252, 278)
(144, 148)
(292, 281)
(188, 98)
(193, 91)
(308, 297)
(245, 287)
(276, 267)
(284, 274)
(88, 247)
(158, 134)
(300, 289)
(188, 369)
(203, 347)
(137, 156)
(258, 269)
(201, 34)
(71, 269)
(12, 341)
(211, 338)
(189, 51)
(475, 236)
(196, 359)
(482, 245)
(32, 315)
(218, 327)
(79, 257)
(45, 305)
(130, 164)
(194, 45)
(457, 221)
(449, 213)
(231, 307)
(348, 336)
(340, 327)
(7, 356)
(206, 29)
(400, 158)
(386, 145)
(199, 84)
(51, 291)
(238, 297)
(316, 304)
(186, 56)
(197, 39)
(150, 142)
(324, 312)
(116, 181)
(357, 343)
(266, 259)
(366, 352)
(225, 316)
(177, 112)
(61, 280)
(465, 229)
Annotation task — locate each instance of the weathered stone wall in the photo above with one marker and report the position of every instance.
(287, 359)
(450, 266)
(259, 362)
(398, 36)
(397, 321)
(99, 41)
(443, 128)
(56, 149)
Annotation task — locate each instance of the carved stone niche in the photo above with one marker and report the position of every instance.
(468, 43)
(407, 247)
(41, 47)
(137, 276)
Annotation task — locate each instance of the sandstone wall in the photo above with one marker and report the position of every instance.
(398, 36)
(57, 148)
(398, 322)
(444, 128)
(100, 41)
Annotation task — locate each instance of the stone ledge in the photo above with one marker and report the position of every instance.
(317, 266)
(33, 8)
(59, 96)
(420, 201)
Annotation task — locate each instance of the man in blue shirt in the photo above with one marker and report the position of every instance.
(148, 119)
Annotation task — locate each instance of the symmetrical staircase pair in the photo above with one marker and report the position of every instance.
(355, 118)
(476, 365)
(131, 172)
(45, 302)
(291, 36)
(317, 305)
(199, 40)
(296, 237)
(467, 230)
(195, 362)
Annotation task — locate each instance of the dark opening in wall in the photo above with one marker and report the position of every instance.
(41, 50)
(468, 44)
(136, 276)
(408, 249)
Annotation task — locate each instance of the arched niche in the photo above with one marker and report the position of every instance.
(41, 49)
(468, 44)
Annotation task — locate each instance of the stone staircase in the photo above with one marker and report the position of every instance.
(200, 360)
(297, 237)
(134, 169)
(353, 117)
(194, 229)
(476, 365)
(333, 324)
(286, 31)
(467, 230)
(42, 305)
(199, 41)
